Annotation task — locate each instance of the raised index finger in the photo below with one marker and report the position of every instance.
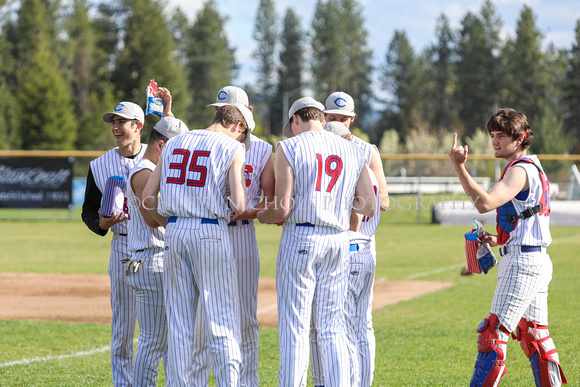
(454, 141)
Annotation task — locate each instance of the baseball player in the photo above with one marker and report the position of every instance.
(191, 179)
(340, 107)
(358, 305)
(126, 123)
(144, 271)
(520, 302)
(319, 179)
(259, 179)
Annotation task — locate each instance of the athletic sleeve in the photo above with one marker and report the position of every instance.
(91, 205)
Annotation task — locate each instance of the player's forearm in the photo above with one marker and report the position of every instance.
(238, 201)
(92, 220)
(92, 205)
(273, 213)
(247, 215)
(355, 221)
(385, 201)
(366, 206)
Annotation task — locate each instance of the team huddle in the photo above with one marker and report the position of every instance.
(185, 262)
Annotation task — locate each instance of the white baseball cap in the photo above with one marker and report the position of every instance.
(125, 109)
(170, 127)
(301, 103)
(340, 103)
(229, 95)
(249, 118)
(337, 128)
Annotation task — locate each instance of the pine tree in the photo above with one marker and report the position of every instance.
(211, 62)
(527, 84)
(341, 57)
(42, 93)
(179, 27)
(266, 35)
(359, 56)
(328, 59)
(108, 27)
(93, 55)
(549, 135)
(401, 78)
(290, 69)
(443, 63)
(572, 89)
(148, 53)
(8, 116)
(82, 42)
(494, 68)
(474, 95)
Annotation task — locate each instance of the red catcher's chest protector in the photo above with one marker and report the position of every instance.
(507, 217)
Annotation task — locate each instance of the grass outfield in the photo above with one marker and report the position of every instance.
(430, 340)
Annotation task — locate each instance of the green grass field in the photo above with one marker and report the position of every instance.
(427, 341)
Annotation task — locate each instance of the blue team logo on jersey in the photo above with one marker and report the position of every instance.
(340, 102)
(119, 107)
(222, 95)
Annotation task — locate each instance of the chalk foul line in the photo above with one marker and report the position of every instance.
(60, 357)
(436, 271)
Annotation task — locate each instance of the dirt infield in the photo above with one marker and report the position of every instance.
(85, 297)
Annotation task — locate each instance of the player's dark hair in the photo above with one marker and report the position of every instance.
(513, 123)
(310, 113)
(229, 115)
(156, 136)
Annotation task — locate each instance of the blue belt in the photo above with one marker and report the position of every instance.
(354, 247)
(305, 224)
(173, 219)
(504, 250)
(235, 223)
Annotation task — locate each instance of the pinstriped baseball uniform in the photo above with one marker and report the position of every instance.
(358, 305)
(198, 265)
(245, 248)
(146, 245)
(365, 148)
(123, 299)
(311, 270)
(523, 278)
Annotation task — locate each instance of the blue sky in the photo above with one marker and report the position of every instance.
(555, 18)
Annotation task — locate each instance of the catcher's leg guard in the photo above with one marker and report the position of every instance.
(491, 345)
(540, 349)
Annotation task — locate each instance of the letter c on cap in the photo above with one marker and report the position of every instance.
(222, 95)
(340, 102)
(119, 107)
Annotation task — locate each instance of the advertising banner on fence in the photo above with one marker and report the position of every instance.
(32, 182)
